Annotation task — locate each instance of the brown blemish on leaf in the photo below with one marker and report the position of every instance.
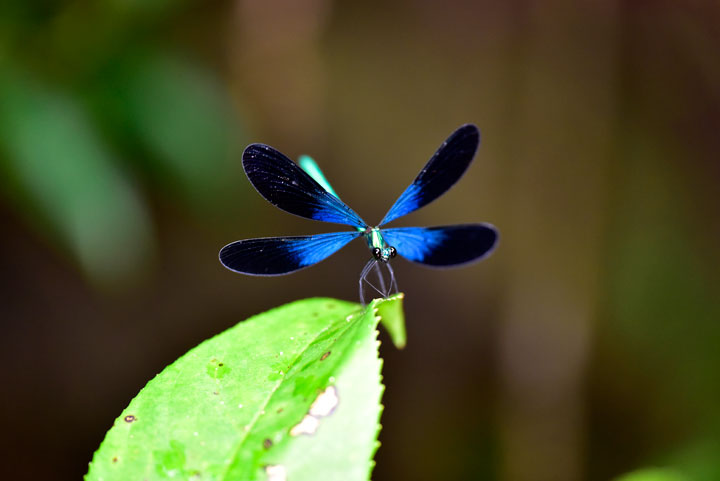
(115, 459)
(267, 443)
(130, 418)
(280, 410)
(324, 356)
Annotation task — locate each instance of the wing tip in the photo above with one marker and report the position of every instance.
(495, 241)
(252, 150)
(469, 129)
(223, 255)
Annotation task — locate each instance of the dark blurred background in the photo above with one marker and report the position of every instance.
(586, 347)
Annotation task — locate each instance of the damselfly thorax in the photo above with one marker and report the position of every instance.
(380, 249)
(382, 252)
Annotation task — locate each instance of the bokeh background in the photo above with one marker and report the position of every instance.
(586, 347)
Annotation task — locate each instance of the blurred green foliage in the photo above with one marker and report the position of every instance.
(86, 136)
(61, 169)
(653, 474)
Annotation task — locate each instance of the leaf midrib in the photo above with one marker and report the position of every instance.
(262, 409)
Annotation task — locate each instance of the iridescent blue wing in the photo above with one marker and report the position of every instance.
(285, 185)
(441, 172)
(274, 256)
(443, 246)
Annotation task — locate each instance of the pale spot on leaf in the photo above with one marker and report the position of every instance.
(276, 473)
(325, 403)
(308, 425)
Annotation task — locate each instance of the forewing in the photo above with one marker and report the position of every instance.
(285, 185)
(440, 173)
(274, 256)
(443, 246)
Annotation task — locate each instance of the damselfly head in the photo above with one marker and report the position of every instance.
(384, 254)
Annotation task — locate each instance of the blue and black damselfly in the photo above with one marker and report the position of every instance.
(303, 190)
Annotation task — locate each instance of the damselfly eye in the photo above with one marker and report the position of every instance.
(377, 253)
(393, 251)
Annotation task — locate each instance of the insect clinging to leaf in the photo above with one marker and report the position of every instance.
(303, 190)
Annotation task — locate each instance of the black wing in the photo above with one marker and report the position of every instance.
(443, 246)
(285, 185)
(441, 172)
(273, 256)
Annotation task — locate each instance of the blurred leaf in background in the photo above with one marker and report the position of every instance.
(88, 127)
(653, 474)
(64, 176)
(180, 119)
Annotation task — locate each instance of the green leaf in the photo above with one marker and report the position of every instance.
(392, 318)
(653, 474)
(184, 117)
(248, 403)
(60, 171)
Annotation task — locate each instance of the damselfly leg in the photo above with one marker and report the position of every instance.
(385, 288)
